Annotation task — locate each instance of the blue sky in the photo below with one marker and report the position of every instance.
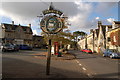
(81, 15)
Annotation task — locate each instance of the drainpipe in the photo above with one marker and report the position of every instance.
(86, 43)
(93, 41)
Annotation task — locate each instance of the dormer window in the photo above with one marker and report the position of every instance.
(24, 29)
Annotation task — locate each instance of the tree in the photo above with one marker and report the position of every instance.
(77, 34)
(64, 37)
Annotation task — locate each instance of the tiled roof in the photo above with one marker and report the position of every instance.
(15, 26)
(116, 22)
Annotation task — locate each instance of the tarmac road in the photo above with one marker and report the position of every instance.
(24, 64)
(97, 66)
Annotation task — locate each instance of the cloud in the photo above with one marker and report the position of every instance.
(110, 20)
(97, 18)
(79, 20)
(77, 12)
(35, 32)
(104, 8)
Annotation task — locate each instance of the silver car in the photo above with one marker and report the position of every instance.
(112, 53)
(7, 47)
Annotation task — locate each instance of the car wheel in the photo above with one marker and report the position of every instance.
(3, 50)
(111, 56)
(104, 55)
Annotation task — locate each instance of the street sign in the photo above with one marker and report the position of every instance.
(52, 11)
(51, 24)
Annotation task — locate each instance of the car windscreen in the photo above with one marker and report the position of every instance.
(113, 50)
(8, 45)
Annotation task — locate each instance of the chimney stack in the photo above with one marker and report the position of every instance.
(29, 25)
(12, 22)
(99, 24)
(91, 31)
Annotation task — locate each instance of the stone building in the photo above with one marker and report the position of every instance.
(82, 43)
(17, 34)
(96, 31)
(113, 36)
(39, 42)
(90, 40)
(104, 37)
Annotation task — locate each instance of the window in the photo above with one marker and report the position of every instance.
(8, 34)
(108, 39)
(8, 28)
(24, 29)
(114, 38)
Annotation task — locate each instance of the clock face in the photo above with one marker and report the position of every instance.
(51, 24)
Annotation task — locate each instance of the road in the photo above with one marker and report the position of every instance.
(26, 64)
(96, 66)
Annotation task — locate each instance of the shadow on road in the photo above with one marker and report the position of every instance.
(107, 75)
(85, 57)
(16, 68)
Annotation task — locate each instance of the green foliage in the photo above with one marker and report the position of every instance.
(65, 38)
(77, 34)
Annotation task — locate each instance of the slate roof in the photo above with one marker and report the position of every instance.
(116, 22)
(13, 27)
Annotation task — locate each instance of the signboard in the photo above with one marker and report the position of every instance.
(51, 24)
(52, 11)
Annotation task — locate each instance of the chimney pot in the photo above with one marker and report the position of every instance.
(12, 22)
(29, 25)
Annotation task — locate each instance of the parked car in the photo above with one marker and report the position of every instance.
(87, 51)
(25, 47)
(7, 47)
(16, 47)
(112, 53)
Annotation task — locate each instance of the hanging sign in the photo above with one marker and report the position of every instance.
(52, 11)
(51, 24)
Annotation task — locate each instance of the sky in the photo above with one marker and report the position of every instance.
(82, 16)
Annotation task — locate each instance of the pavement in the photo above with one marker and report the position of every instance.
(64, 56)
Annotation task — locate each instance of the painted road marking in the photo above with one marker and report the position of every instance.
(89, 75)
(77, 61)
(35, 56)
(105, 59)
(80, 64)
(83, 68)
